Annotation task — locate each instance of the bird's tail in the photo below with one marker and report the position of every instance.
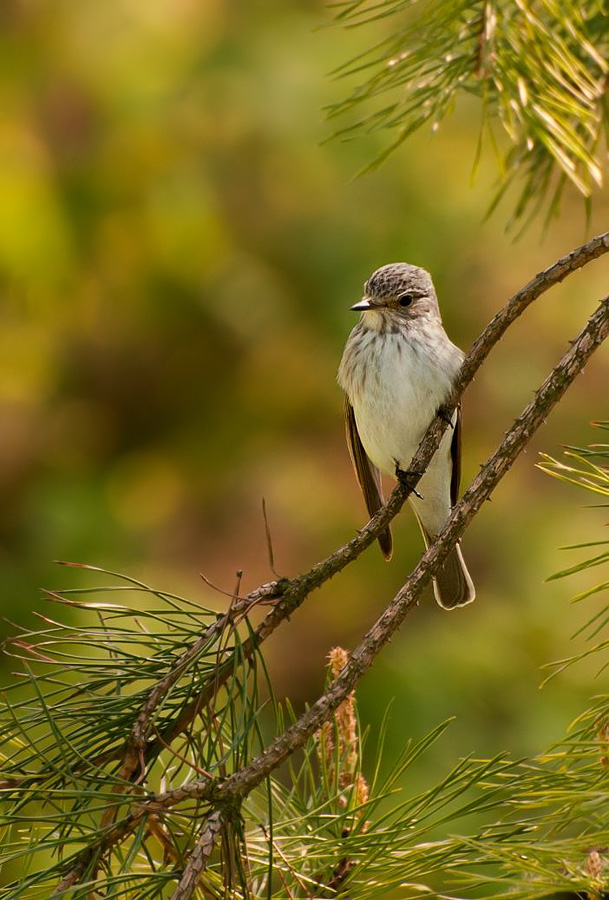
(452, 584)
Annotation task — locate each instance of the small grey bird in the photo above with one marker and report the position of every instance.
(397, 370)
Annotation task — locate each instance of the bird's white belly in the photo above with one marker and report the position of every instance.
(398, 398)
(395, 395)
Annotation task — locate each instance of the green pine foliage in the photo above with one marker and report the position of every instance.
(336, 822)
(586, 467)
(85, 687)
(537, 67)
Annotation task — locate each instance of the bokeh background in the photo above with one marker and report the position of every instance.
(179, 247)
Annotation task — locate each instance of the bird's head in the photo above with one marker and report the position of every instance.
(400, 293)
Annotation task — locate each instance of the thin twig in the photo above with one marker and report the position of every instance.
(483, 37)
(297, 878)
(99, 848)
(158, 830)
(340, 874)
(218, 590)
(189, 763)
(269, 540)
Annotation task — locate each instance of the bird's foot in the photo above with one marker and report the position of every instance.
(405, 476)
(443, 414)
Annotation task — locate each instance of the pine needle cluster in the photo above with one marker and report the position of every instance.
(144, 756)
(337, 823)
(537, 67)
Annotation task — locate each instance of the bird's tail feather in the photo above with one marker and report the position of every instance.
(452, 585)
(386, 543)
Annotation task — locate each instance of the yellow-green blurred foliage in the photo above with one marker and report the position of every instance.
(179, 249)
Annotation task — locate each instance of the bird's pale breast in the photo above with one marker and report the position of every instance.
(395, 383)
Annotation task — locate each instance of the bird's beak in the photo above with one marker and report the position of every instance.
(364, 304)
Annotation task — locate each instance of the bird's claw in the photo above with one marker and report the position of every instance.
(443, 414)
(404, 477)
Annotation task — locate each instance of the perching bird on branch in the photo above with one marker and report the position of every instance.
(397, 370)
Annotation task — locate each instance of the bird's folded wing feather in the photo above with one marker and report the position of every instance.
(368, 476)
(455, 454)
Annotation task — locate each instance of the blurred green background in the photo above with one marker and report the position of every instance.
(179, 248)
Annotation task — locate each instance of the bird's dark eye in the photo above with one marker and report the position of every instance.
(405, 299)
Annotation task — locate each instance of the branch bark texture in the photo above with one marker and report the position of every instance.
(552, 389)
(288, 594)
(199, 857)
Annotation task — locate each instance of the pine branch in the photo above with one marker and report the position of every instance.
(222, 796)
(239, 784)
(539, 71)
(235, 787)
(199, 857)
(288, 594)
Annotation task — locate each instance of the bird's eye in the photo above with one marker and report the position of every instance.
(405, 299)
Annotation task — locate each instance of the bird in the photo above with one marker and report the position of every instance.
(397, 370)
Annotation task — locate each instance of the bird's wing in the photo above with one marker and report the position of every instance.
(368, 476)
(455, 455)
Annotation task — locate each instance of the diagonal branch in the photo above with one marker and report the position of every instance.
(288, 594)
(293, 591)
(552, 389)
